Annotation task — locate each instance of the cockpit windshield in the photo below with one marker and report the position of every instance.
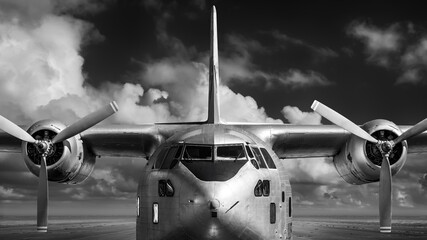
(220, 153)
(214, 162)
(231, 152)
(198, 152)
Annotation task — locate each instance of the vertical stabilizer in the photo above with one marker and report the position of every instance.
(213, 103)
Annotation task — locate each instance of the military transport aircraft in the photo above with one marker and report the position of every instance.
(213, 180)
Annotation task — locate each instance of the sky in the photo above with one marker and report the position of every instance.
(64, 59)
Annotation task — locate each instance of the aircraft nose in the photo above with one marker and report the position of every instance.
(219, 209)
(214, 211)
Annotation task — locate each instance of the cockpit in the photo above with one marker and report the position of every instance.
(214, 153)
(212, 162)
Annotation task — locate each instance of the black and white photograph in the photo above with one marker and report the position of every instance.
(213, 119)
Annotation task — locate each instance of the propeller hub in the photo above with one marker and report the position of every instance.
(43, 147)
(385, 147)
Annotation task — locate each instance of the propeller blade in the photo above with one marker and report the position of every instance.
(14, 130)
(42, 198)
(86, 122)
(385, 196)
(413, 131)
(341, 121)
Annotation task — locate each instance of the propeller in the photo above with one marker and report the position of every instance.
(42, 197)
(385, 196)
(86, 122)
(14, 130)
(385, 148)
(413, 131)
(44, 148)
(341, 121)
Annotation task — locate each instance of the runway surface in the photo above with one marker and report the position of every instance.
(123, 228)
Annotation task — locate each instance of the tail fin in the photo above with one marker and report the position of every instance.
(213, 103)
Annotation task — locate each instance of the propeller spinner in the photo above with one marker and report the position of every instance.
(384, 146)
(44, 148)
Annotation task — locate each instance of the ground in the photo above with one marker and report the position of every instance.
(123, 228)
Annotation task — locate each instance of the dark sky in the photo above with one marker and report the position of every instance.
(316, 37)
(64, 59)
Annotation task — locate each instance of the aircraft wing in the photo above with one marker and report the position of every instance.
(129, 140)
(417, 144)
(113, 140)
(288, 141)
(308, 141)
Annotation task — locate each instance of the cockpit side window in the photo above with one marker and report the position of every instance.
(268, 159)
(195, 152)
(173, 154)
(230, 152)
(160, 158)
(251, 156)
(258, 157)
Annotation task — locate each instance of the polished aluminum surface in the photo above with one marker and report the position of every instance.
(239, 214)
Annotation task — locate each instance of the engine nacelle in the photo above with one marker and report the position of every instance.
(359, 161)
(68, 162)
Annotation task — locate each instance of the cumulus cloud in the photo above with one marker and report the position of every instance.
(316, 179)
(238, 65)
(41, 65)
(380, 43)
(45, 60)
(295, 116)
(38, 66)
(314, 173)
(42, 77)
(248, 109)
(398, 47)
(314, 170)
(414, 63)
(377, 39)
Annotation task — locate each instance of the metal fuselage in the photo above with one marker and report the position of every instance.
(192, 199)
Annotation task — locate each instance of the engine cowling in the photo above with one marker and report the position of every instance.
(359, 161)
(68, 162)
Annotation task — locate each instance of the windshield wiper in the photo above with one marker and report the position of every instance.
(187, 156)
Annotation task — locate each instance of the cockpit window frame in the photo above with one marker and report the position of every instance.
(168, 159)
(160, 161)
(200, 145)
(268, 158)
(258, 156)
(159, 157)
(214, 152)
(232, 144)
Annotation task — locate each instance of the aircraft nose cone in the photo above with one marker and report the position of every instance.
(214, 204)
